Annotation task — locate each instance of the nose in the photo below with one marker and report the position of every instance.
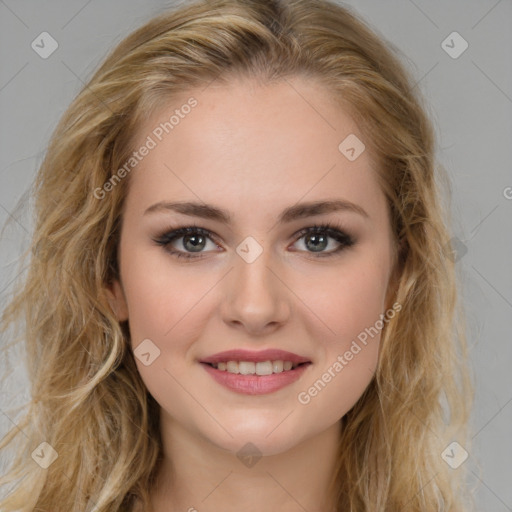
(256, 296)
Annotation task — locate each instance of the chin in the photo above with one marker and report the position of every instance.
(261, 440)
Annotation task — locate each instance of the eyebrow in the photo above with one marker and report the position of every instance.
(298, 211)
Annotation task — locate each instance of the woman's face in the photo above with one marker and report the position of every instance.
(256, 280)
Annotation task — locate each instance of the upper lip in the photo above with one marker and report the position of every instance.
(255, 356)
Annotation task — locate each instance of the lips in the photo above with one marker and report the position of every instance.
(255, 372)
(255, 356)
(256, 384)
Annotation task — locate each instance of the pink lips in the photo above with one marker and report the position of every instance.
(255, 384)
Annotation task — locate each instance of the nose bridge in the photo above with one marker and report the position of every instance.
(255, 276)
(255, 295)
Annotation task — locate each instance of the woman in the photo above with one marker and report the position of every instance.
(241, 294)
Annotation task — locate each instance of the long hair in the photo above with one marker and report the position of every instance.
(88, 404)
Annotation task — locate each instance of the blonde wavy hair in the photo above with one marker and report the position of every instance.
(87, 398)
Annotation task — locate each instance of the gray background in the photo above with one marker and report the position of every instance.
(470, 101)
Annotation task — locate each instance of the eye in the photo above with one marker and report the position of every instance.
(317, 238)
(195, 239)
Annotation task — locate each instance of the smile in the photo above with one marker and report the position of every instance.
(252, 383)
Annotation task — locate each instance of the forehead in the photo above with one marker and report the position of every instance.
(245, 142)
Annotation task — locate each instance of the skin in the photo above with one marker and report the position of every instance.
(254, 150)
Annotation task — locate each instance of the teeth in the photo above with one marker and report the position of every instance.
(246, 368)
(264, 368)
(251, 368)
(232, 367)
(277, 366)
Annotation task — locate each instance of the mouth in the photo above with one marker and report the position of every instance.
(255, 373)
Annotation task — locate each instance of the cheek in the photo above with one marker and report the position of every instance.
(347, 300)
(168, 305)
(351, 305)
(336, 387)
(169, 309)
(162, 295)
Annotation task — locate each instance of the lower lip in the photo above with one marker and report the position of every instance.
(256, 384)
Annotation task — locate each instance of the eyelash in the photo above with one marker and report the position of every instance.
(333, 230)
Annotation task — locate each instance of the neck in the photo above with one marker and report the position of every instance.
(198, 476)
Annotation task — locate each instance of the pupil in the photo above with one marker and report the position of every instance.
(317, 243)
(196, 246)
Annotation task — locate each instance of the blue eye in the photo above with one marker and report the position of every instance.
(317, 237)
(195, 238)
